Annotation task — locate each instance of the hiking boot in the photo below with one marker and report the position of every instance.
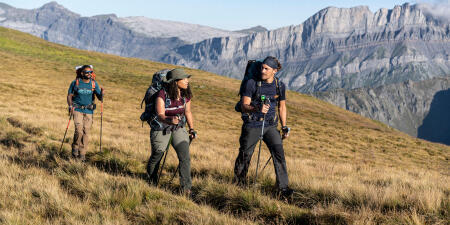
(187, 193)
(241, 182)
(75, 153)
(82, 158)
(151, 180)
(286, 192)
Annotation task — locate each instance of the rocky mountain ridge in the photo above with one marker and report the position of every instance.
(132, 36)
(336, 48)
(419, 108)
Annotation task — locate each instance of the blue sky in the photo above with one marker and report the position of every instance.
(229, 14)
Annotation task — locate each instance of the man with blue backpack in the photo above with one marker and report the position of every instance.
(80, 98)
(262, 95)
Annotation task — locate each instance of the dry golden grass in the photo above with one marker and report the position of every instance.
(344, 168)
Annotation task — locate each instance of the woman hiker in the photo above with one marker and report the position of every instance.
(254, 112)
(173, 107)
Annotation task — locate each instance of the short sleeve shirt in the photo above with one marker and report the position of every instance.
(173, 107)
(269, 90)
(83, 95)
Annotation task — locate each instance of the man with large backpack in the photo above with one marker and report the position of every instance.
(80, 98)
(261, 97)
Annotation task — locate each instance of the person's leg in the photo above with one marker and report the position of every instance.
(159, 143)
(273, 140)
(78, 121)
(87, 124)
(248, 140)
(180, 143)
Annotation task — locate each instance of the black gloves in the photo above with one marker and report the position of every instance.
(192, 134)
(285, 130)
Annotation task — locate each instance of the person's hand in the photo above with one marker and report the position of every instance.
(285, 131)
(175, 120)
(192, 134)
(102, 94)
(265, 108)
(71, 108)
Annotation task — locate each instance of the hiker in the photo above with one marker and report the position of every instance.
(173, 109)
(254, 111)
(80, 99)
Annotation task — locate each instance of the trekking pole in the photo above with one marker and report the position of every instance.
(164, 160)
(264, 100)
(101, 124)
(266, 163)
(270, 158)
(70, 117)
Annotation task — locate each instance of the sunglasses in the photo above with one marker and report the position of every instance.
(88, 71)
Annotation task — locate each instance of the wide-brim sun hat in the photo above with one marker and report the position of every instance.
(175, 74)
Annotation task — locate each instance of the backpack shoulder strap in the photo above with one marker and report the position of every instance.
(75, 87)
(166, 96)
(278, 92)
(277, 83)
(258, 88)
(93, 85)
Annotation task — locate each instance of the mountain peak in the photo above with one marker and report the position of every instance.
(5, 6)
(52, 4)
(252, 30)
(55, 7)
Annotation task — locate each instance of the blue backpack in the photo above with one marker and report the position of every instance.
(149, 99)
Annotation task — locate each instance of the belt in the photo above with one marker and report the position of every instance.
(90, 106)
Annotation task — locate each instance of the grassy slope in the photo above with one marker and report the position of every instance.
(344, 168)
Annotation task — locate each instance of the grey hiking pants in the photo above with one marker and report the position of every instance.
(180, 142)
(248, 140)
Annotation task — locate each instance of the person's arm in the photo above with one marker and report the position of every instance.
(248, 108)
(161, 111)
(99, 91)
(283, 113)
(69, 100)
(70, 97)
(246, 105)
(188, 114)
(190, 121)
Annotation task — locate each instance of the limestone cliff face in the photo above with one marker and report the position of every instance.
(336, 48)
(404, 106)
(132, 37)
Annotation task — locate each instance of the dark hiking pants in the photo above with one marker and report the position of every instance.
(248, 140)
(180, 142)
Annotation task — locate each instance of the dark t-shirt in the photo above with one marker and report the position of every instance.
(173, 108)
(82, 95)
(270, 91)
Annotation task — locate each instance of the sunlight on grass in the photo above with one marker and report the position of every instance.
(345, 169)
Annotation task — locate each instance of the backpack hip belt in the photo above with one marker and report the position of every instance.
(90, 106)
(160, 126)
(250, 117)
